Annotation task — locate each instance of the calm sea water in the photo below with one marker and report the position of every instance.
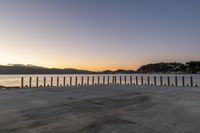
(15, 80)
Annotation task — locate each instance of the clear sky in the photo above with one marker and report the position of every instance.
(99, 34)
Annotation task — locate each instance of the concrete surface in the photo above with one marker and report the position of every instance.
(100, 109)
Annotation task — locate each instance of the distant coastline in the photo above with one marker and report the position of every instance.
(192, 67)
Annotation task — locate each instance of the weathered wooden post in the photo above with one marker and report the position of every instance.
(37, 79)
(108, 81)
(142, 81)
(103, 80)
(125, 80)
(148, 80)
(120, 80)
(98, 80)
(155, 81)
(88, 80)
(136, 80)
(92, 80)
(30, 81)
(76, 81)
(82, 78)
(176, 81)
(161, 81)
(22, 81)
(183, 80)
(115, 79)
(44, 81)
(70, 81)
(64, 81)
(191, 81)
(168, 80)
(57, 81)
(131, 80)
(51, 81)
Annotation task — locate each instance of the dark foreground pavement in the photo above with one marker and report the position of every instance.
(100, 109)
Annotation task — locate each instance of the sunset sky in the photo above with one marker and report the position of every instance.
(99, 34)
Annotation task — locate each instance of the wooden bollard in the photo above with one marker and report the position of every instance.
(191, 81)
(76, 81)
(155, 81)
(183, 81)
(37, 80)
(168, 80)
(161, 81)
(125, 80)
(51, 81)
(103, 80)
(92, 80)
(98, 80)
(88, 80)
(82, 78)
(120, 80)
(64, 81)
(30, 81)
(142, 80)
(131, 80)
(148, 80)
(44, 81)
(22, 81)
(57, 81)
(176, 81)
(70, 81)
(115, 80)
(136, 80)
(108, 81)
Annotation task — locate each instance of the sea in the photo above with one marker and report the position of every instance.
(15, 80)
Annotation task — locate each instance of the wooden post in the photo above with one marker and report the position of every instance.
(115, 80)
(76, 81)
(51, 81)
(22, 82)
(57, 81)
(191, 81)
(64, 81)
(131, 80)
(92, 80)
(98, 80)
(183, 80)
(176, 81)
(44, 81)
(70, 81)
(82, 80)
(120, 80)
(136, 78)
(155, 83)
(103, 80)
(161, 81)
(142, 81)
(125, 80)
(148, 80)
(30, 81)
(168, 80)
(108, 82)
(88, 80)
(37, 79)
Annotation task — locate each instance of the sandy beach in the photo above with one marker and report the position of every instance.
(102, 109)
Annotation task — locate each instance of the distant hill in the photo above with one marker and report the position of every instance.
(189, 67)
(30, 69)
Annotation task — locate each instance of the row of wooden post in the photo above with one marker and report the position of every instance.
(114, 81)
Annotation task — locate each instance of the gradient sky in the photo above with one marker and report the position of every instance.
(99, 34)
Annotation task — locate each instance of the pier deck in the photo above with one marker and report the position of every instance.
(102, 109)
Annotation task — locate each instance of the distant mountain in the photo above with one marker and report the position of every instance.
(189, 67)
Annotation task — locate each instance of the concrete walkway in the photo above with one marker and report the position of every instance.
(100, 109)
